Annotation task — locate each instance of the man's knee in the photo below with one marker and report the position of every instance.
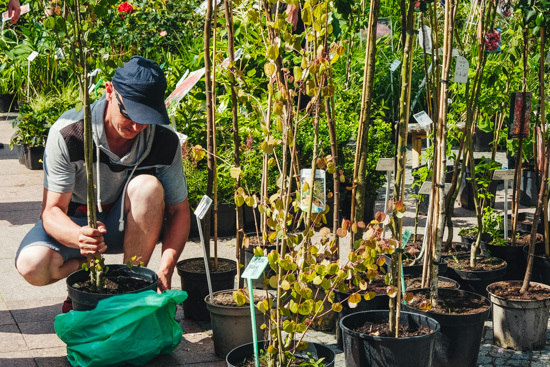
(146, 191)
(33, 263)
(145, 186)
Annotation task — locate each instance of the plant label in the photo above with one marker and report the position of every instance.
(547, 56)
(461, 70)
(503, 174)
(24, 10)
(422, 118)
(32, 56)
(425, 39)
(455, 52)
(386, 164)
(394, 65)
(255, 267)
(426, 188)
(186, 83)
(319, 190)
(203, 207)
(406, 236)
(520, 115)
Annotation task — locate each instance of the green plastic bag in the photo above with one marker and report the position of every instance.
(132, 328)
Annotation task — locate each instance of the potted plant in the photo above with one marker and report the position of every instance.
(520, 308)
(231, 320)
(34, 120)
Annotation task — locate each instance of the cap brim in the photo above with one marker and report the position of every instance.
(143, 114)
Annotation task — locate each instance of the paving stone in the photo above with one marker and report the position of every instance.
(11, 339)
(17, 359)
(39, 335)
(484, 360)
(51, 357)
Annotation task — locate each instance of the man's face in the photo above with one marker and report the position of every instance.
(119, 119)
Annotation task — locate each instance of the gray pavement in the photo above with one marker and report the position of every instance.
(27, 313)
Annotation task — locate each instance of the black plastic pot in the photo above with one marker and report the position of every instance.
(483, 140)
(416, 270)
(362, 350)
(196, 286)
(459, 340)
(32, 157)
(84, 301)
(541, 264)
(246, 351)
(523, 224)
(8, 102)
(513, 255)
(476, 281)
(380, 302)
(529, 192)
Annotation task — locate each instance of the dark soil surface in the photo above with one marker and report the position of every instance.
(526, 239)
(510, 290)
(416, 283)
(482, 264)
(384, 330)
(456, 249)
(198, 266)
(377, 286)
(117, 285)
(450, 304)
(226, 299)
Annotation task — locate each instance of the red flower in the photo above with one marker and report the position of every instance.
(125, 8)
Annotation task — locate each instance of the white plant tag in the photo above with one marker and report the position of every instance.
(503, 174)
(461, 70)
(394, 65)
(386, 164)
(32, 56)
(422, 118)
(203, 206)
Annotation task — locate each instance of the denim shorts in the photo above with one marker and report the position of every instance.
(114, 239)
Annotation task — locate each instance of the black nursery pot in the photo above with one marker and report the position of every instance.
(459, 340)
(196, 286)
(414, 271)
(246, 351)
(84, 301)
(513, 255)
(541, 264)
(8, 102)
(379, 302)
(364, 350)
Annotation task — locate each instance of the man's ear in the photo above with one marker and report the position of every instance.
(109, 90)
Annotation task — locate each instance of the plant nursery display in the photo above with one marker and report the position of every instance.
(297, 117)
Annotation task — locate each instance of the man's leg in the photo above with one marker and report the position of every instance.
(41, 265)
(144, 208)
(41, 260)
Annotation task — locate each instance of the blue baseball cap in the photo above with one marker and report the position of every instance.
(142, 84)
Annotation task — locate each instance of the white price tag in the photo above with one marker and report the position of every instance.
(32, 56)
(455, 52)
(426, 188)
(203, 206)
(422, 118)
(386, 164)
(461, 70)
(394, 65)
(425, 39)
(255, 267)
(504, 174)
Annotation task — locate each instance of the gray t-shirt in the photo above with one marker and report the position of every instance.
(156, 151)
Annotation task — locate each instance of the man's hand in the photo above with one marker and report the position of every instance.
(14, 11)
(91, 241)
(165, 280)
